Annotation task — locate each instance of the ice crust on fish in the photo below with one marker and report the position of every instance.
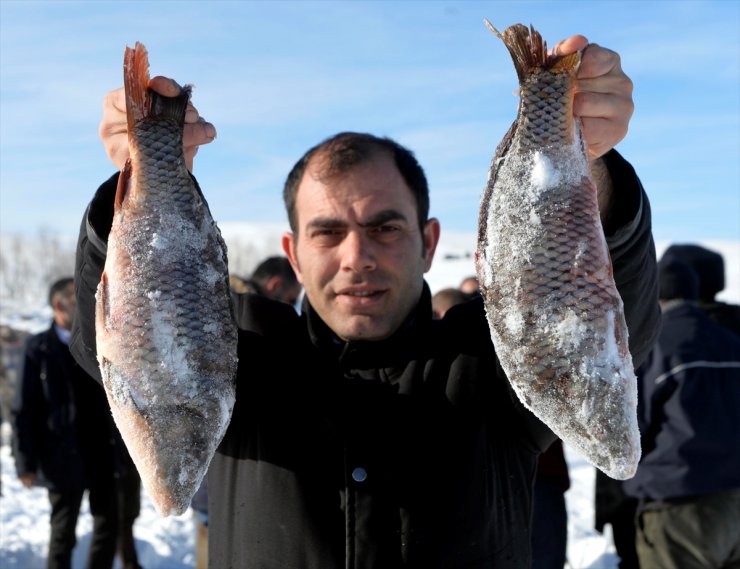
(166, 336)
(554, 312)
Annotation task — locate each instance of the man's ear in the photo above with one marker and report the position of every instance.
(289, 242)
(430, 235)
(273, 283)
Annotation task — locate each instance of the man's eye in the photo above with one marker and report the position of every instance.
(386, 229)
(326, 234)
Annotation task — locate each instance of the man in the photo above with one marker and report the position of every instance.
(688, 481)
(366, 434)
(469, 286)
(64, 438)
(274, 278)
(445, 299)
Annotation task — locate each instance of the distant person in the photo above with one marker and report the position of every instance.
(445, 299)
(470, 287)
(275, 279)
(709, 266)
(64, 438)
(549, 509)
(688, 480)
(11, 350)
(614, 507)
(239, 285)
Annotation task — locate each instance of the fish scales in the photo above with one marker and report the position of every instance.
(165, 330)
(555, 315)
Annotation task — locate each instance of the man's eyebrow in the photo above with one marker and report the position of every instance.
(375, 220)
(320, 222)
(384, 217)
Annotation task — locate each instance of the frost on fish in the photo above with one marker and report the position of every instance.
(166, 337)
(554, 312)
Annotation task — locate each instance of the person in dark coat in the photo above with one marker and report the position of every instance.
(63, 437)
(612, 505)
(709, 267)
(275, 278)
(365, 434)
(688, 480)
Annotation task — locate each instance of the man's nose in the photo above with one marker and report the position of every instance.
(357, 253)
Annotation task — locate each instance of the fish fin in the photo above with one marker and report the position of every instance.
(501, 151)
(141, 101)
(529, 51)
(124, 183)
(136, 84)
(564, 63)
(101, 304)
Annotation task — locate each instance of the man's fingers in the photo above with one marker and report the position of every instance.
(201, 132)
(165, 86)
(615, 83)
(601, 135)
(570, 45)
(115, 99)
(598, 61)
(587, 104)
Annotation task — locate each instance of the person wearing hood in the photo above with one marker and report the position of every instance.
(688, 480)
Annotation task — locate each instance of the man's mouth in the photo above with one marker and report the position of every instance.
(361, 295)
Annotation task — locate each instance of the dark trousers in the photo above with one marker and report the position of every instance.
(549, 526)
(128, 496)
(624, 535)
(65, 509)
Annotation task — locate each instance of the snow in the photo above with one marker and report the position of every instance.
(164, 543)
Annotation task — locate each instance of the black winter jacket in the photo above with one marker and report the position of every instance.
(689, 410)
(410, 452)
(63, 431)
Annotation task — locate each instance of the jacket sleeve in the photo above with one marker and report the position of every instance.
(89, 264)
(633, 257)
(27, 412)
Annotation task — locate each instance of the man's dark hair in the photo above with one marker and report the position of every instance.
(59, 286)
(271, 267)
(344, 151)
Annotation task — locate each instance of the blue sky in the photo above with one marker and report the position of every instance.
(277, 77)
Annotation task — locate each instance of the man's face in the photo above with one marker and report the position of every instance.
(358, 250)
(63, 305)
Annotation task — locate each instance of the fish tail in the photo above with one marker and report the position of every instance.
(529, 51)
(136, 84)
(142, 102)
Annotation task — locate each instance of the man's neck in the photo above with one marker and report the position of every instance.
(62, 332)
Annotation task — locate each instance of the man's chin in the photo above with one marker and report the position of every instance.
(362, 331)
